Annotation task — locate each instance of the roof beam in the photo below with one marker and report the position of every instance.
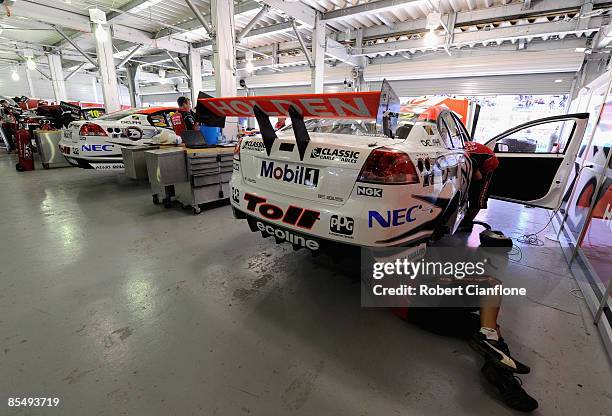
(507, 12)
(366, 8)
(80, 23)
(241, 8)
(299, 11)
(497, 35)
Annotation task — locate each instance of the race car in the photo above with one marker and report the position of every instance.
(358, 169)
(96, 144)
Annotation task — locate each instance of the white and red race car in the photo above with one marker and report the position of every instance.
(358, 169)
(96, 144)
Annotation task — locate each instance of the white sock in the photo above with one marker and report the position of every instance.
(490, 333)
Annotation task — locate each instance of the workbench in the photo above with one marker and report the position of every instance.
(191, 176)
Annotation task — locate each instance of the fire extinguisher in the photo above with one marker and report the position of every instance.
(24, 149)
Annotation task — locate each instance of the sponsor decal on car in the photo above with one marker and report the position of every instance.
(393, 217)
(236, 195)
(64, 149)
(299, 175)
(107, 166)
(330, 198)
(369, 191)
(342, 226)
(431, 142)
(256, 145)
(96, 147)
(288, 236)
(324, 153)
(237, 166)
(299, 217)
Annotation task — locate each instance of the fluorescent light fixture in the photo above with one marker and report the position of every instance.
(558, 80)
(431, 39)
(581, 50)
(14, 75)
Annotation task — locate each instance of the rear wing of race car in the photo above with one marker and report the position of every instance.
(382, 106)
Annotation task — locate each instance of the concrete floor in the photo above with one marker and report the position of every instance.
(117, 306)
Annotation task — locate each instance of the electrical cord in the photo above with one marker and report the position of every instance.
(532, 239)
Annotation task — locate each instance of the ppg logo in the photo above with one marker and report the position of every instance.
(367, 191)
(341, 225)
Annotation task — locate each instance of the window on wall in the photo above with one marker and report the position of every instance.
(499, 113)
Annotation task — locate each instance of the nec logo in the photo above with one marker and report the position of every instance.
(392, 218)
(97, 147)
(367, 191)
(341, 225)
(300, 175)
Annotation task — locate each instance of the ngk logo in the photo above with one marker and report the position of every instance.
(299, 217)
(367, 191)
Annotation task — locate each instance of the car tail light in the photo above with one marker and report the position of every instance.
(237, 149)
(91, 129)
(388, 166)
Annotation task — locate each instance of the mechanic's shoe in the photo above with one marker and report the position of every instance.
(498, 353)
(465, 226)
(509, 387)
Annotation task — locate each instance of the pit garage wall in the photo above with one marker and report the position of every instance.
(78, 88)
(585, 216)
(538, 84)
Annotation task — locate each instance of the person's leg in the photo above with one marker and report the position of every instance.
(488, 340)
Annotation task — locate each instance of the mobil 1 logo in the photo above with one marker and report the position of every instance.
(343, 226)
(369, 191)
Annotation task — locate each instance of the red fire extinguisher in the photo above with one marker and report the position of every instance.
(24, 150)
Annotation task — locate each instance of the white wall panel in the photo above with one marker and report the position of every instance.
(78, 88)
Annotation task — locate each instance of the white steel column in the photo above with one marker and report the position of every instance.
(106, 65)
(195, 72)
(224, 56)
(57, 77)
(318, 54)
(30, 83)
(132, 69)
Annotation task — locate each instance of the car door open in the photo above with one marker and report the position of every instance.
(536, 158)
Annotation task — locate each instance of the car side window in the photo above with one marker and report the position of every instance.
(450, 131)
(159, 119)
(444, 133)
(465, 136)
(549, 137)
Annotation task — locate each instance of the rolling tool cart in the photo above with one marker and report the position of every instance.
(165, 169)
(134, 161)
(209, 172)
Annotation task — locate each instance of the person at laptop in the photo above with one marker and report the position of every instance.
(187, 115)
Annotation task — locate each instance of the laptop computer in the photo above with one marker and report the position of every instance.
(194, 140)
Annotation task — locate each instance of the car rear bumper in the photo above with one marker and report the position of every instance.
(395, 219)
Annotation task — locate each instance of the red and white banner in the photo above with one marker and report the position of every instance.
(347, 105)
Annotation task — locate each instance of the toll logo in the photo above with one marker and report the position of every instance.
(299, 175)
(293, 215)
(341, 225)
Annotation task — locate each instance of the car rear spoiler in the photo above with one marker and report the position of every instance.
(383, 106)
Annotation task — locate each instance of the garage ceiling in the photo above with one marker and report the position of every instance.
(391, 29)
